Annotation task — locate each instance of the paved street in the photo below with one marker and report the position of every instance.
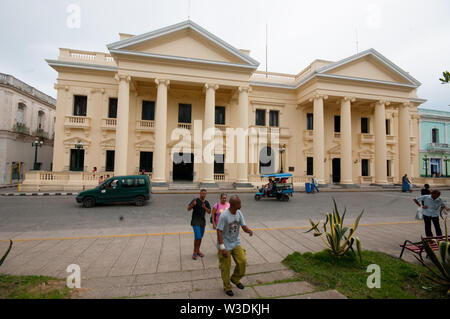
(52, 232)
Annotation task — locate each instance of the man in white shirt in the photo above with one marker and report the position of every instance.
(431, 207)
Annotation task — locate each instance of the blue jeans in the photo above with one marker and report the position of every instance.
(316, 188)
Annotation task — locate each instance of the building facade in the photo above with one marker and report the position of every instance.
(27, 115)
(434, 143)
(150, 102)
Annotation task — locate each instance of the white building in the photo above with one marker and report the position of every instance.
(27, 115)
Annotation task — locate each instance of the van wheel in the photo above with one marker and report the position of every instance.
(285, 198)
(88, 202)
(139, 201)
(257, 197)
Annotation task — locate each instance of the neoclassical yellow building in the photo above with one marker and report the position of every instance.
(350, 122)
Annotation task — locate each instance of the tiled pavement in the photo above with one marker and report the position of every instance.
(160, 265)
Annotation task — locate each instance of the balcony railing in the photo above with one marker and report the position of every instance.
(145, 125)
(109, 124)
(186, 126)
(390, 139)
(438, 147)
(77, 122)
(308, 135)
(219, 177)
(366, 138)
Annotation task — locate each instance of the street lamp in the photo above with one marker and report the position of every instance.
(282, 150)
(426, 159)
(36, 144)
(446, 160)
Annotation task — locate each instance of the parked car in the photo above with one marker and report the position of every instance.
(132, 188)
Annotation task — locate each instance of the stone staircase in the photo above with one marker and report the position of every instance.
(262, 281)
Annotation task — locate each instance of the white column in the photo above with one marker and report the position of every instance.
(208, 127)
(346, 141)
(242, 149)
(159, 173)
(380, 143)
(319, 139)
(404, 148)
(123, 111)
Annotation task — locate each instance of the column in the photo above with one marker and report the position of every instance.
(159, 156)
(242, 149)
(123, 111)
(346, 141)
(404, 148)
(319, 139)
(209, 129)
(380, 143)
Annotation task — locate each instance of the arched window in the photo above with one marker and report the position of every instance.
(41, 120)
(435, 135)
(21, 113)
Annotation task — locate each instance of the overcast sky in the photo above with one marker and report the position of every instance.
(413, 34)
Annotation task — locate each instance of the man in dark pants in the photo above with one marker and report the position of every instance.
(200, 206)
(431, 205)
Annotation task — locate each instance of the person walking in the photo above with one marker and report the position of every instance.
(229, 245)
(218, 209)
(425, 190)
(431, 205)
(406, 184)
(199, 206)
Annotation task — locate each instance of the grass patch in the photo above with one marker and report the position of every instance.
(33, 287)
(399, 279)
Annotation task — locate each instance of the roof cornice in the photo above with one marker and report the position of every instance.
(179, 58)
(76, 65)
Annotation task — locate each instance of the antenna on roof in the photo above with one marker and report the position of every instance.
(266, 50)
(357, 48)
(189, 10)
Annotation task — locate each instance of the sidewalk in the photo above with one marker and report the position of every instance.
(160, 264)
(297, 189)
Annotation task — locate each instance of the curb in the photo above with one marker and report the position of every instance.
(39, 194)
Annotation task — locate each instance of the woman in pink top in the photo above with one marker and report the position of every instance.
(218, 209)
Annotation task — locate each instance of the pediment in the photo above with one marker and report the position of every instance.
(146, 143)
(111, 142)
(76, 140)
(369, 65)
(186, 41)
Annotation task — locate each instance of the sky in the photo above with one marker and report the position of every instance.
(415, 35)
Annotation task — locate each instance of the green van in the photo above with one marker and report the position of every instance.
(133, 188)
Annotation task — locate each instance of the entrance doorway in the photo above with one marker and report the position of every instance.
(183, 167)
(336, 170)
(77, 160)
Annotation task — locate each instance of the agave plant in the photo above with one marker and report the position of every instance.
(7, 252)
(339, 238)
(441, 271)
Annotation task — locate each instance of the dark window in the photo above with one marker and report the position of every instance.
(109, 167)
(146, 161)
(79, 105)
(365, 167)
(219, 164)
(388, 162)
(129, 182)
(337, 124)
(76, 160)
(148, 110)
(435, 135)
(365, 125)
(388, 127)
(310, 121)
(273, 118)
(220, 115)
(184, 113)
(309, 166)
(112, 109)
(260, 119)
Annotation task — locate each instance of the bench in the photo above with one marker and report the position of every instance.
(418, 247)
